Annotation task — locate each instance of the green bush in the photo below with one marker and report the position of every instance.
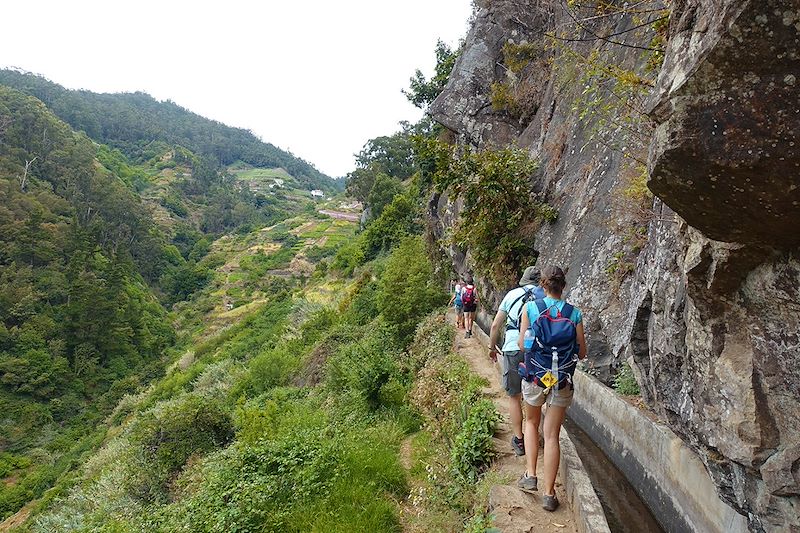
(313, 475)
(472, 449)
(397, 221)
(348, 258)
(433, 339)
(10, 462)
(495, 185)
(167, 435)
(625, 381)
(407, 291)
(361, 305)
(364, 367)
(272, 367)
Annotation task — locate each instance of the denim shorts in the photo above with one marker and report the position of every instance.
(511, 379)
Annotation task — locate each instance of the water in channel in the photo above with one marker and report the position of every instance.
(625, 511)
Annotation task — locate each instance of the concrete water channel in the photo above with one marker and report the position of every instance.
(625, 511)
(669, 476)
(646, 478)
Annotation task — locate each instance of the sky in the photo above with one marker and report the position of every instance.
(318, 78)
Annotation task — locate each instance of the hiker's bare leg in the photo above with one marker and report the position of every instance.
(552, 449)
(532, 416)
(515, 413)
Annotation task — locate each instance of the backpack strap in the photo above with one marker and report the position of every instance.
(566, 311)
(514, 324)
(541, 306)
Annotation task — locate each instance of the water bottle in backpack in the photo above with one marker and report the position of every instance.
(551, 360)
(528, 339)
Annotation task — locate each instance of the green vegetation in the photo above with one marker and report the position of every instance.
(453, 449)
(625, 382)
(229, 442)
(517, 56)
(94, 250)
(381, 166)
(137, 124)
(422, 92)
(495, 186)
(515, 95)
(183, 350)
(408, 267)
(79, 323)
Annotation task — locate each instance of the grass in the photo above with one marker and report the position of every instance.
(263, 173)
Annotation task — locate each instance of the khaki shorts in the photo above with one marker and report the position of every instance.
(535, 396)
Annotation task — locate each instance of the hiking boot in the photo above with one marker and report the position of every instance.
(528, 483)
(518, 445)
(549, 503)
(467, 335)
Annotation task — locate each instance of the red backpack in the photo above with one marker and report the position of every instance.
(469, 295)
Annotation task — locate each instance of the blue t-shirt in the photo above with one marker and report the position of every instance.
(458, 291)
(555, 306)
(511, 305)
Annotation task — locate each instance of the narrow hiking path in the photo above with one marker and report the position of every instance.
(514, 511)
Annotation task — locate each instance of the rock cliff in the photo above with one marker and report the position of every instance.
(697, 287)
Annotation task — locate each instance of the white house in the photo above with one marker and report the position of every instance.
(316, 193)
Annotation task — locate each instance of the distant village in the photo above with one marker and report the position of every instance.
(277, 183)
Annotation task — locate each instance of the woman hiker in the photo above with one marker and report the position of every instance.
(541, 385)
(455, 301)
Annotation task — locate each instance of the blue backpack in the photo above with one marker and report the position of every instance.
(552, 358)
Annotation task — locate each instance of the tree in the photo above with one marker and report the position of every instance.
(398, 220)
(393, 155)
(383, 191)
(23, 180)
(407, 291)
(422, 92)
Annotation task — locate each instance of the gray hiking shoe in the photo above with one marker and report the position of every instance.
(467, 335)
(549, 503)
(528, 483)
(518, 445)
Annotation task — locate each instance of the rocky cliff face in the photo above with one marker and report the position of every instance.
(701, 290)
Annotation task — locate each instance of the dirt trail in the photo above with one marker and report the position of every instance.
(514, 510)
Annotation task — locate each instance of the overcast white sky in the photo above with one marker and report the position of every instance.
(315, 77)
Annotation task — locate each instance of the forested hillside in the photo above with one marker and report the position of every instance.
(138, 125)
(184, 348)
(95, 249)
(78, 257)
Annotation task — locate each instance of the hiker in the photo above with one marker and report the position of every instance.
(553, 335)
(457, 303)
(469, 297)
(509, 314)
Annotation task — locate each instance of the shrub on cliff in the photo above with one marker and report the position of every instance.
(495, 185)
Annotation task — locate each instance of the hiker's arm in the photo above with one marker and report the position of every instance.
(494, 334)
(524, 324)
(452, 299)
(581, 341)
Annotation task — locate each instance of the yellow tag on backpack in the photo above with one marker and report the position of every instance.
(548, 380)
